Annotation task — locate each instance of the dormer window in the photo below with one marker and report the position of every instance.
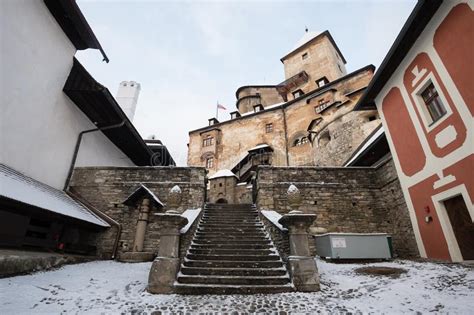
(322, 82)
(213, 121)
(297, 93)
(208, 141)
(235, 115)
(300, 141)
(304, 56)
(258, 108)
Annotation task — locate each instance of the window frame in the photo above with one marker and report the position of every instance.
(209, 162)
(299, 92)
(208, 141)
(304, 56)
(269, 128)
(421, 106)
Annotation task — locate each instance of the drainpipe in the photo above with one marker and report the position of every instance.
(78, 144)
(101, 215)
(286, 135)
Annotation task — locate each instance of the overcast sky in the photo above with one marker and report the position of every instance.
(189, 55)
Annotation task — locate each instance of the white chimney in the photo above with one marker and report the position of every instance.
(127, 97)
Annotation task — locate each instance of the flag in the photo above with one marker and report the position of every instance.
(221, 106)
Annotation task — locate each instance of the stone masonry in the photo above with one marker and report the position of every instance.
(107, 187)
(357, 200)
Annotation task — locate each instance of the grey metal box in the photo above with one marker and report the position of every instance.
(354, 246)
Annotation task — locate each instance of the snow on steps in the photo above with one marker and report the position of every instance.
(232, 253)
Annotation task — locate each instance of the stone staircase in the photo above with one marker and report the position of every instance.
(231, 253)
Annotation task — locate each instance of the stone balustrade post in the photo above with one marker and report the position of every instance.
(303, 270)
(166, 265)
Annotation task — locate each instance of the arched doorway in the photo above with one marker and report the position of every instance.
(221, 200)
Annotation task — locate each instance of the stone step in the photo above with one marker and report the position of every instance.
(232, 246)
(231, 242)
(224, 239)
(187, 288)
(255, 257)
(236, 224)
(233, 271)
(230, 228)
(232, 264)
(236, 233)
(229, 218)
(233, 280)
(220, 251)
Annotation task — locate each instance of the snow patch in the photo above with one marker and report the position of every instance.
(191, 215)
(223, 173)
(273, 217)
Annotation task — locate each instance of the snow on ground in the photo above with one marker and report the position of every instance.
(113, 287)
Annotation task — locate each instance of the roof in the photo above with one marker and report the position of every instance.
(308, 38)
(74, 24)
(266, 109)
(26, 190)
(96, 102)
(411, 30)
(223, 173)
(263, 146)
(140, 192)
(371, 150)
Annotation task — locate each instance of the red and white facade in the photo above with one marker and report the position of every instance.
(433, 150)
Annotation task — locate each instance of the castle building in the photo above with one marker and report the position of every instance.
(423, 92)
(306, 120)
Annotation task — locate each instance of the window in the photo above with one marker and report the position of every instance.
(433, 103)
(321, 82)
(268, 128)
(210, 162)
(304, 56)
(300, 141)
(257, 108)
(208, 141)
(297, 93)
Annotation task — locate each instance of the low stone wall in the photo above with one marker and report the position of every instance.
(357, 200)
(280, 238)
(106, 188)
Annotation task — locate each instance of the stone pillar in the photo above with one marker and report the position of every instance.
(137, 254)
(141, 225)
(166, 265)
(303, 269)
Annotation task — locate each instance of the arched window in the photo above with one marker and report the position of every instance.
(210, 162)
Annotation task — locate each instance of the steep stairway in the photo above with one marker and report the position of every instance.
(231, 253)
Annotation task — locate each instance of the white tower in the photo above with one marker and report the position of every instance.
(127, 97)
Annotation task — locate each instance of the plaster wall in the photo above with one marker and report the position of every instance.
(39, 124)
(440, 156)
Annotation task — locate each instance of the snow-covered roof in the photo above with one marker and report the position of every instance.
(367, 144)
(223, 173)
(16, 186)
(308, 36)
(260, 146)
(142, 189)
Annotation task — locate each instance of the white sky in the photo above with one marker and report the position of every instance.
(189, 55)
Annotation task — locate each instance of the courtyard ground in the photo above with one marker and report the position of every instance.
(112, 287)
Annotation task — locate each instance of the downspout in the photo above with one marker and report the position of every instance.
(78, 144)
(286, 135)
(101, 215)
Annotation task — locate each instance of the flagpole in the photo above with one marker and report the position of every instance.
(217, 110)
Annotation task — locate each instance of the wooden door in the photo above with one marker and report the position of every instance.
(463, 226)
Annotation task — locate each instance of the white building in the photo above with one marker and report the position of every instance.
(54, 117)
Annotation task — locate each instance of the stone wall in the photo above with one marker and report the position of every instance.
(106, 188)
(357, 200)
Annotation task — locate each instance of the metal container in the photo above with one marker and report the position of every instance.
(354, 246)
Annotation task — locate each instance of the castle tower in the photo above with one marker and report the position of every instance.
(127, 97)
(318, 55)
